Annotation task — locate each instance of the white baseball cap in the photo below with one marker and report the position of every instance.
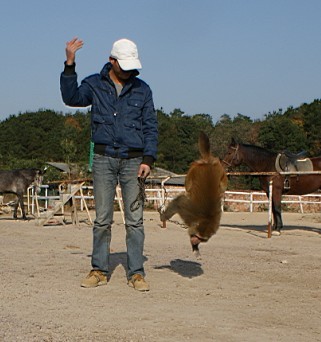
(126, 53)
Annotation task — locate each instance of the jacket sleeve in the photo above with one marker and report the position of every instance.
(150, 127)
(71, 94)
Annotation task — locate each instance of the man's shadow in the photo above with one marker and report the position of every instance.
(116, 259)
(187, 269)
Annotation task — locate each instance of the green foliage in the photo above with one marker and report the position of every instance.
(278, 132)
(76, 137)
(178, 139)
(241, 128)
(30, 136)
(33, 138)
(308, 117)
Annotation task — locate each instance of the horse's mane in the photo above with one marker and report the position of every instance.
(28, 173)
(260, 150)
(258, 153)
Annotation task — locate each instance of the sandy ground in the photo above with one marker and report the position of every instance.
(246, 287)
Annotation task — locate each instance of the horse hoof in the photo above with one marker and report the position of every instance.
(276, 233)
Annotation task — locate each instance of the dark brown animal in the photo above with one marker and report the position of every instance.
(259, 159)
(17, 182)
(200, 207)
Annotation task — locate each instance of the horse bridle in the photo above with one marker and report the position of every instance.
(234, 156)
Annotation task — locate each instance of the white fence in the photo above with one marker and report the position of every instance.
(160, 196)
(257, 197)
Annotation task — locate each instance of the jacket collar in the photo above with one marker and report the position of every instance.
(105, 72)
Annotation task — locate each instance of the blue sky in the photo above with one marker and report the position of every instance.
(207, 56)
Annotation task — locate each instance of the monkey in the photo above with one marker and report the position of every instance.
(200, 205)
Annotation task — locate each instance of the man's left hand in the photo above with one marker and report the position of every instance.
(144, 170)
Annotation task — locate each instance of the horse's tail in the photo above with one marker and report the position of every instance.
(204, 146)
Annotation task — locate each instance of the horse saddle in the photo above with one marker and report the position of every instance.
(290, 162)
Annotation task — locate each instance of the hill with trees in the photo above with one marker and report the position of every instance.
(31, 139)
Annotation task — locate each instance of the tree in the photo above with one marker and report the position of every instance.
(308, 117)
(278, 132)
(31, 136)
(177, 141)
(44, 136)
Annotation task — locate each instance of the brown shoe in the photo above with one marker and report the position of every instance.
(94, 278)
(138, 282)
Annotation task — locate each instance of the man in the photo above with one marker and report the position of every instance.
(124, 132)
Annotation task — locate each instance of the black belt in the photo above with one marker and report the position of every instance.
(132, 153)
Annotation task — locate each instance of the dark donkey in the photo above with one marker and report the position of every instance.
(17, 182)
(259, 159)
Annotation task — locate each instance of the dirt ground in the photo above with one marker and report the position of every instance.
(246, 287)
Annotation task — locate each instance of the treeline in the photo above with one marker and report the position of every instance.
(294, 130)
(33, 138)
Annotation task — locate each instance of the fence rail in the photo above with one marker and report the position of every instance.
(160, 195)
(251, 198)
(157, 197)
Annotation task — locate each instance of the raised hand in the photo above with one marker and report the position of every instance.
(71, 48)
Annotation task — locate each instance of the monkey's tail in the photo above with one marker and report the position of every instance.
(204, 146)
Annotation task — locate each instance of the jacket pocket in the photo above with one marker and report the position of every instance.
(98, 119)
(136, 103)
(102, 131)
(133, 136)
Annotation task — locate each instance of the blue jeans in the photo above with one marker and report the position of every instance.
(107, 173)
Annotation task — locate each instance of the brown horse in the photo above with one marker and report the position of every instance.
(259, 159)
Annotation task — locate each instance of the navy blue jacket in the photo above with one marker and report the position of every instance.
(124, 125)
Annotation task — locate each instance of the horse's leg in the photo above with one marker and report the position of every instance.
(20, 201)
(276, 210)
(15, 208)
